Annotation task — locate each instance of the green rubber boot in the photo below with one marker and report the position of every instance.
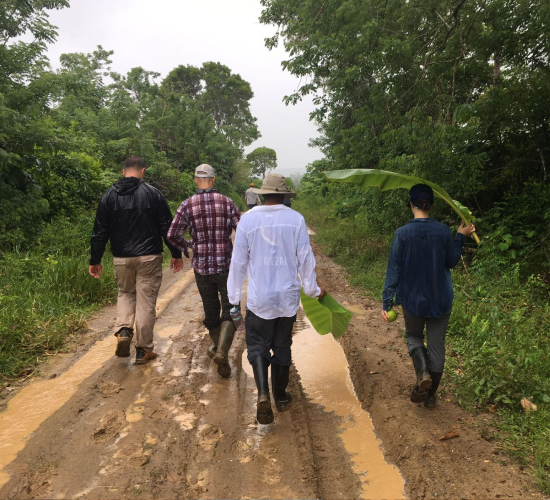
(215, 336)
(221, 358)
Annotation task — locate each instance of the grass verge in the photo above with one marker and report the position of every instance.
(46, 294)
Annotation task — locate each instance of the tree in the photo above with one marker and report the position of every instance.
(262, 160)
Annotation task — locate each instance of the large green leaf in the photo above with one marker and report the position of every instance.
(386, 180)
(326, 315)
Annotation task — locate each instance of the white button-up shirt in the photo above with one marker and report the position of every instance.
(272, 244)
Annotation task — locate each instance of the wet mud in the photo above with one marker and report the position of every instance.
(174, 429)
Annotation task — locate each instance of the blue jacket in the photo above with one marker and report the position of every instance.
(422, 255)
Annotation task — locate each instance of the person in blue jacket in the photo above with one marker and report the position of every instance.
(422, 254)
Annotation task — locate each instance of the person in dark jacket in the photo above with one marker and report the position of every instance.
(136, 218)
(422, 255)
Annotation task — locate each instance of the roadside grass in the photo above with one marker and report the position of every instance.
(46, 294)
(499, 333)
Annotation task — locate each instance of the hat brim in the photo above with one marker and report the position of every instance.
(287, 194)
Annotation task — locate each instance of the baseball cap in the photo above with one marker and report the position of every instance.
(205, 170)
(421, 192)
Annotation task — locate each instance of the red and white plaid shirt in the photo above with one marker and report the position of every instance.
(210, 218)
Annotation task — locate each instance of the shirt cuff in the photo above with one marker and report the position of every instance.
(387, 305)
(460, 237)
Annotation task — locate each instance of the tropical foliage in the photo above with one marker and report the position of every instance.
(64, 135)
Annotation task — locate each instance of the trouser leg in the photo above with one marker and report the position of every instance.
(280, 362)
(436, 332)
(208, 289)
(148, 281)
(259, 336)
(125, 277)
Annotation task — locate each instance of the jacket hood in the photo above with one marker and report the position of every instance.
(127, 185)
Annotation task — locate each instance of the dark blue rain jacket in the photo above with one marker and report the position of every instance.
(422, 255)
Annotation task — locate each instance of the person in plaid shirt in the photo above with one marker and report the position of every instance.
(210, 218)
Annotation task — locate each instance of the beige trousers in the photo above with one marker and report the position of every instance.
(138, 280)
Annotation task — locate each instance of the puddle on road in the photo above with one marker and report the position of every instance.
(35, 403)
(324, 374)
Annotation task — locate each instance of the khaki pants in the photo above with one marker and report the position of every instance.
(138, 280)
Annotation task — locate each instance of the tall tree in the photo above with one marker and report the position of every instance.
(262, 160)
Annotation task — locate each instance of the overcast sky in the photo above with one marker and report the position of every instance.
(160, 35)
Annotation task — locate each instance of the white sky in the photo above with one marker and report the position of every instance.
(161, 35)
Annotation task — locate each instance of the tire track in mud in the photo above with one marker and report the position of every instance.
(175, 429)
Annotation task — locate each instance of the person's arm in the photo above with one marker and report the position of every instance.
(393, 273)
(306, 263)
(238, 267)
(100, 236)
(164, 217)
(177, 228)
(258, 201)
(454, 247)
(235, 215)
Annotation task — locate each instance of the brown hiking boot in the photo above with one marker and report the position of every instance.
(143, 356)
(124, 341)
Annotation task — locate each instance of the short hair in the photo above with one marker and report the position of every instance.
(424, 205)
(279, 198)
(134, 162)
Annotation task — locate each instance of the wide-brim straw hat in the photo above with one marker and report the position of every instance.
(275, 184)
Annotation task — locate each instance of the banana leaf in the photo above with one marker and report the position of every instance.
(386, 180)
(326, 315)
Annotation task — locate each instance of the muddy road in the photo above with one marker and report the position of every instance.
(95, 426)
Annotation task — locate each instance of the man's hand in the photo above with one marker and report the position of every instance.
(96, 271)
(385, 315)
(176, 264)
(322, 294)
(466, 230)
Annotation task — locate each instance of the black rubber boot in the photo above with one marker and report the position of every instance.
(215, 336)
(221, 358)
(124, 341)
(423, 378)
(264, 413)
(430, 400)
(279, 382)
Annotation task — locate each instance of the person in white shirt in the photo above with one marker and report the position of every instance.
(272, 244)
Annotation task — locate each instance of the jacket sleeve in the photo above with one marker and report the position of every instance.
(100, 233)
(454, 249)
(235, 215)
(178, 228)
(165, 220)
(238, 267)
(306, 263)
(393, 272)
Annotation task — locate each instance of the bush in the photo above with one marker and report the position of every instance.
(46, 293)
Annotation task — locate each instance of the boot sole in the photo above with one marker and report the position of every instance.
(264, 413)
(420, 391)
(123, 348)
(283, 405)
(224, 370)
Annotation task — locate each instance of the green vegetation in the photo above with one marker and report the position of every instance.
(456, 93)
(64, 136)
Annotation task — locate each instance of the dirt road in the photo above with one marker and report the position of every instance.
(175, 429)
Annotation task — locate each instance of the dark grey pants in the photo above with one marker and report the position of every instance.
(436, 331)
(265, 335)
(213, 290)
